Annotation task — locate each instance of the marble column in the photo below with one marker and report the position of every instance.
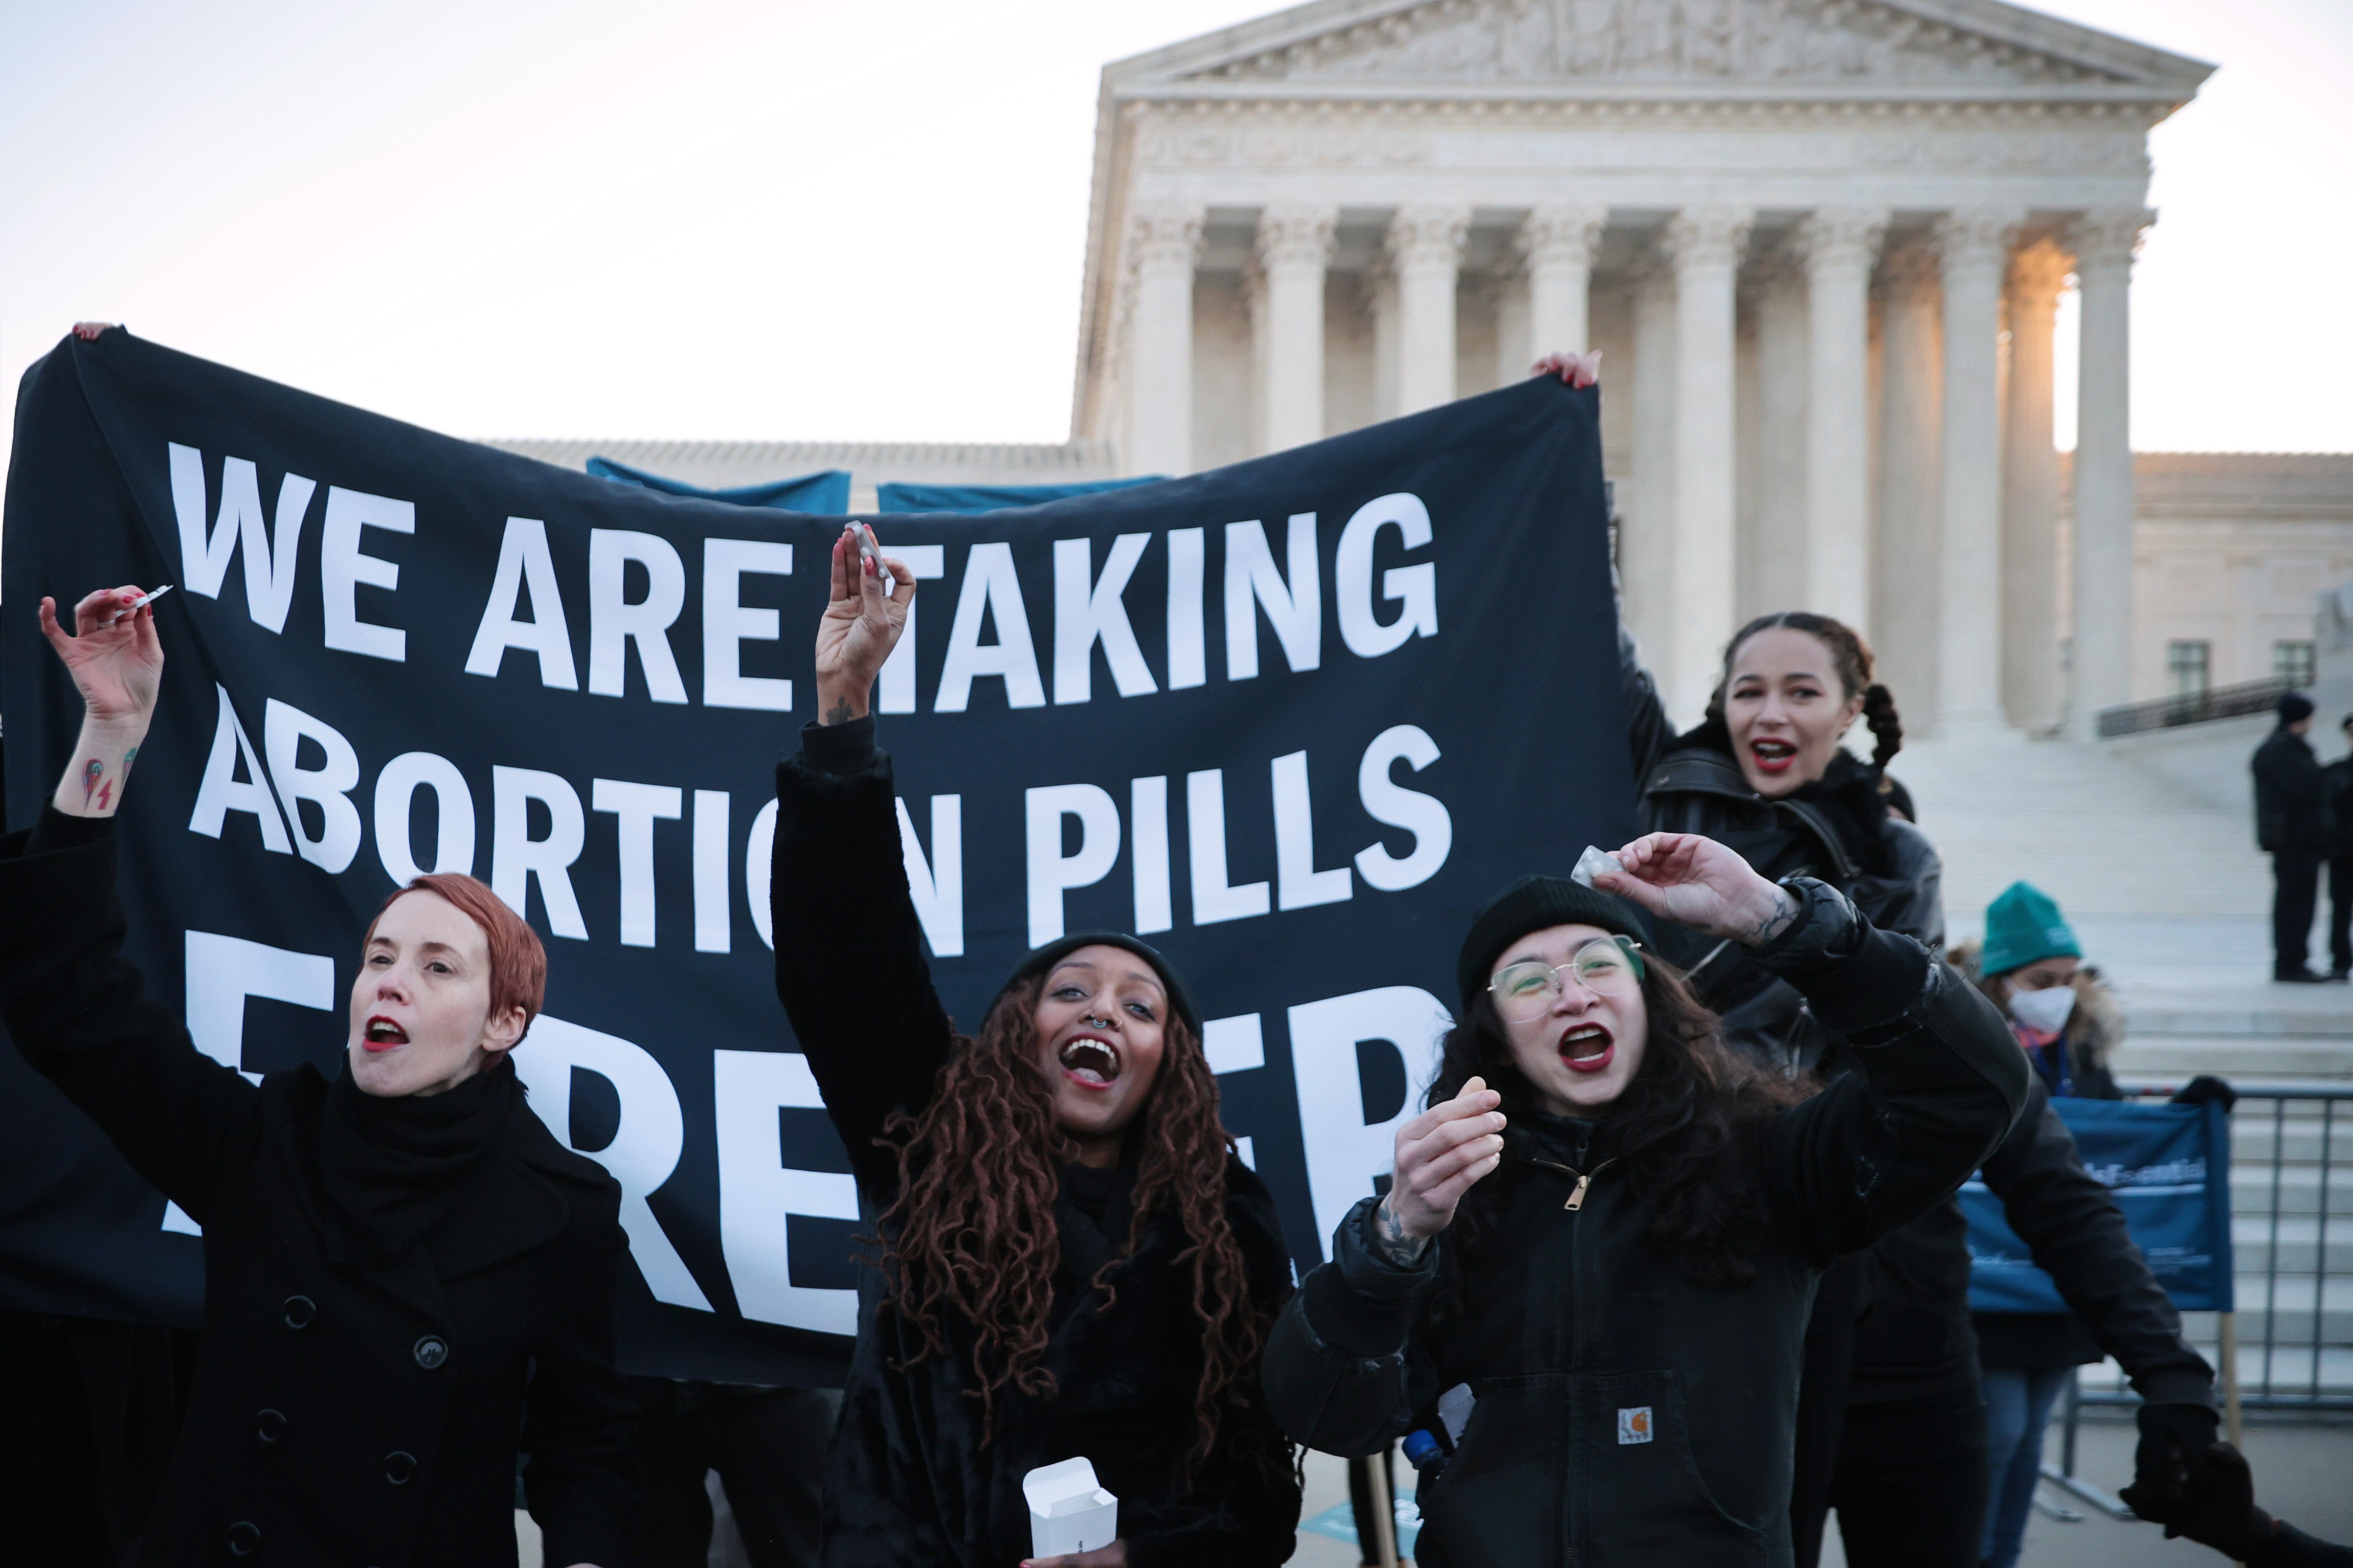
(1294, 246)
(1705, 245)
(2104, 243)
(1646, 528)
(1425, 248)
(1776, 575)
(1907, 567)
(1973, 253)
(1557, 244)
(2030, 692)
(1838, 245)
(1164, 243)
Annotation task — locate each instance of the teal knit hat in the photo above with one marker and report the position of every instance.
(2022, 926)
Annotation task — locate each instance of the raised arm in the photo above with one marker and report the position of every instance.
(850, 950)
(77, 1009)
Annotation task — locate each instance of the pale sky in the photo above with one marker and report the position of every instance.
(513, 217)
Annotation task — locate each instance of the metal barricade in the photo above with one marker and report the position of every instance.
(2279, 1352)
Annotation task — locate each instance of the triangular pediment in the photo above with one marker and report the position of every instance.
(1694, 43)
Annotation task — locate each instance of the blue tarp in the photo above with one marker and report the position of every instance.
(2169, 1168)
(825, 493)
(989, 498)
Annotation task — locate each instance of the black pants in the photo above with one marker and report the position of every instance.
(769, 1447)
(2296, 890)
(1911, 1484)
(2340, 915)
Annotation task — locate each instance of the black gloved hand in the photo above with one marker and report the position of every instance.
(2172, 1473)
(2224, 1516)
(2203, 1088)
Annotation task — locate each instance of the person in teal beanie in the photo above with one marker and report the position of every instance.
(2032, 967)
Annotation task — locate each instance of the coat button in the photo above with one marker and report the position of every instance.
(431, 1351)
(269, 1425)
(243, 1539)
(299, 1310)
(399, 1468)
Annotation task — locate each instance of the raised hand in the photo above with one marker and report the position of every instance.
(860, 625)
(1440, 1155)
(1697, 883)
(117, 663)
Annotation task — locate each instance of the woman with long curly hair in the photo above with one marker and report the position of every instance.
(1075, 1262)
(1587, 1282)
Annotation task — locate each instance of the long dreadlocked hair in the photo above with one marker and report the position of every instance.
(973, 1233)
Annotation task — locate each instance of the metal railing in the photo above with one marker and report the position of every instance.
(2193, 708)
(2302, 1359)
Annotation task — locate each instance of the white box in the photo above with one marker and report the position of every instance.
(1067, 1512)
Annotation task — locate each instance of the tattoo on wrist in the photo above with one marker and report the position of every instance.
(839, 712)
(1784, 910)
(1390, 1237)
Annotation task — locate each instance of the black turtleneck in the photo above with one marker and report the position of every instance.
(394, 1166)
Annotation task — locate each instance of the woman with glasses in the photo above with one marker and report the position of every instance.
(1076, 1265)
(1585, 1290)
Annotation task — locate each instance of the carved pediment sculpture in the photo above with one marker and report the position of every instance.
(1638, 41)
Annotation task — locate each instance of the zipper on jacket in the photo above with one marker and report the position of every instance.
(1584, 1179)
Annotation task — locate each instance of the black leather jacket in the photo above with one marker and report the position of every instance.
(1623, 1413)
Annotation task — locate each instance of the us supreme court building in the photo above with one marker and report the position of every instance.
(1821, 245)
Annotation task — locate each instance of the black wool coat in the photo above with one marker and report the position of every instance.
(914, 1477)
(340, 1415)
(2289, 791)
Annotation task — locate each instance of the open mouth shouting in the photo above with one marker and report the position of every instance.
(382, 1034)
(1771, 756)
(1587, 1048)
(1089, 1061)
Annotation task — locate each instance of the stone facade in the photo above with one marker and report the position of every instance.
(1820, 244)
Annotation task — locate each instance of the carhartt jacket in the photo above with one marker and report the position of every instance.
(1623, 1415)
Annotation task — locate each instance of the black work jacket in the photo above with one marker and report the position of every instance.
(2337, 807)
(1625, 1416)
(340, 1415)
(914, 1477)
(2288, 791)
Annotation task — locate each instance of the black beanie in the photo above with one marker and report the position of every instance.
(1533, 903)
(1043, 960)
(2293, 706)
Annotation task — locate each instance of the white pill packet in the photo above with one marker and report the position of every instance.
(1591, 864)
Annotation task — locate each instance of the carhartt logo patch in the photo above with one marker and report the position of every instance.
(1634, 1425)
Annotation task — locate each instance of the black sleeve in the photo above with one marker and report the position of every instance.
(850, 950)
(1648, 732)
(1242, 1510)
(1938, 1081)
(79, 1013)
(2292, 1548)
(578, 1422)
(2078, 1237)
(1342, 1375)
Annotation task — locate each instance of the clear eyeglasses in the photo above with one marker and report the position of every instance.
(1607, 966)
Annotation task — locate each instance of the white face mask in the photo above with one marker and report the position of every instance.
(2045, 1012)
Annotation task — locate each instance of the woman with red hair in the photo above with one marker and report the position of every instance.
(394, 1257)
(1076, 1264)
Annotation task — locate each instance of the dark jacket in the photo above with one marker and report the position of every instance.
(2288, 818)
(1913, 1337)
(340, 1415)
(2337, 807)
(912, 1476)
(1625, 1415)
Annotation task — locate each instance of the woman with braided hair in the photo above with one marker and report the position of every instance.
(1076, 1264)
(1890, 1421)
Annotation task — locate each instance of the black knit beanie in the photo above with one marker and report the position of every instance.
(1043, 960)
(2293, 706)
(1533, 903)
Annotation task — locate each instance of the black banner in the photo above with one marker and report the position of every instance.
(1293, 720)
